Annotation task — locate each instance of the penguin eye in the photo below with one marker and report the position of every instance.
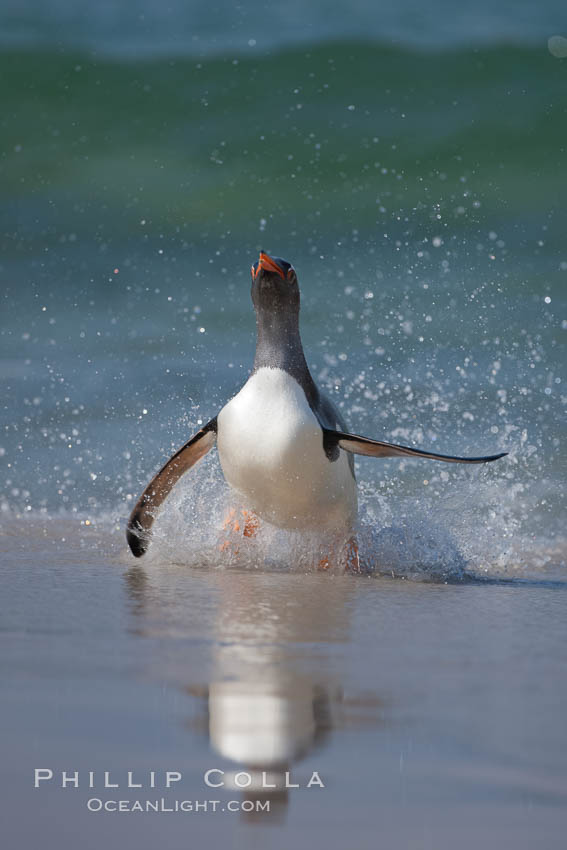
(291, 273)
(253, 271)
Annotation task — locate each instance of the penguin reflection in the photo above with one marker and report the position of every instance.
(265, 713)
(264, 708)
(265, 730)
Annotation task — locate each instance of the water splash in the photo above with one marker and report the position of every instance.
(460, 526)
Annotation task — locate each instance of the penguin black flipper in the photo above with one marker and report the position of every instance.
(143, 515)
(377, 448)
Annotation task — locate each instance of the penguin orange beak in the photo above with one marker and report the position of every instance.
(265, 262)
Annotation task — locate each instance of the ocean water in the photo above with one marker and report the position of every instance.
(418, 194)
(412, 167)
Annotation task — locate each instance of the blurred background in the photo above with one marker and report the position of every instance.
(408, 159)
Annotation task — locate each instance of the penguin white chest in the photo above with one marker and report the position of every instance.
(271, 452)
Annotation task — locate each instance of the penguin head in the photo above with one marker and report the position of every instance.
(274, 284)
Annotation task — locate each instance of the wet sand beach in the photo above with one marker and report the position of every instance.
(431, 712)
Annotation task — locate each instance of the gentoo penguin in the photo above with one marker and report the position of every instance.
(283, 446)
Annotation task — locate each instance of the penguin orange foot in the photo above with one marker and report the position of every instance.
(348, 557)
(284, 448)
(236, 522)
(243, 520)
(352, 559)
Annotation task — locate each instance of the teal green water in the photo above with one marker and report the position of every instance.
(316, 139)
(419, 193)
